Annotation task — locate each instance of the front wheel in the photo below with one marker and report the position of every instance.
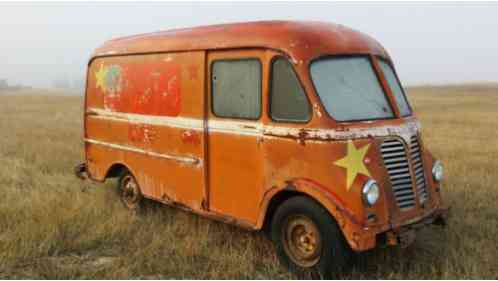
(129, 192)
(308, 240)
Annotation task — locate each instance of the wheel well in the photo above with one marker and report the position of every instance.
(116, 170)
(276, 201)
(280, 198)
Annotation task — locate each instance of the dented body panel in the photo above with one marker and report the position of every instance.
(148, 108)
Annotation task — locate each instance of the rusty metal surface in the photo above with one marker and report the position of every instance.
(406, 234)
(300, 40)
(151, 113)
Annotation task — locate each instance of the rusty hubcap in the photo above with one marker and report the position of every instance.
(302, 241)
(131, 193)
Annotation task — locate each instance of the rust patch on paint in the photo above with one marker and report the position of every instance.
(144, 88)
(141, 133)
(191, 137)
(303, 134)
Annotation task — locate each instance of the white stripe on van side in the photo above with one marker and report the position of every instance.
(235, 127)
(255, 129)
(183, 159)
(177, 122)
(221, 126)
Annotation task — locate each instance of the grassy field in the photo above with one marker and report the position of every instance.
(53, 225)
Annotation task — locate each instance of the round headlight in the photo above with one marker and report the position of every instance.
(370, 192)
(437, 171)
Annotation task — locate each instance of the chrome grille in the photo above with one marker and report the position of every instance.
(396, 161)
(418, 169)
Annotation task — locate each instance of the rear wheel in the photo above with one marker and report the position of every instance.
(129, 192)
(308, 240)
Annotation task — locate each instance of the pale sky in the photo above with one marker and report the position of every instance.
(429, 42)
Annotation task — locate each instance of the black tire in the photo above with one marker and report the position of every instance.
(130, 193)
(333, 255)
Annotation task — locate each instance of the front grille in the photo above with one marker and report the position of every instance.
(418, 169)
(396, 161)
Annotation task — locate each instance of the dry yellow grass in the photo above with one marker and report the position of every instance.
(52, 225)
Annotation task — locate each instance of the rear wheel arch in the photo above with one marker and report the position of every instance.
(116, 170)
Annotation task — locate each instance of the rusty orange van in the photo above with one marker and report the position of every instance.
(298, 128)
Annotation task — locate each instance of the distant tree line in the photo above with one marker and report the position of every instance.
(4, 85)
(59, 83)
(62, 83)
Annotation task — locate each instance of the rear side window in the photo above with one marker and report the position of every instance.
(288, 101)
(396, 89)
(236, 88)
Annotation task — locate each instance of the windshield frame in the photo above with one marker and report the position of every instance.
(405, 97)
(377, 75)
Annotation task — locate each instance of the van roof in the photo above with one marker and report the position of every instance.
(300, 40)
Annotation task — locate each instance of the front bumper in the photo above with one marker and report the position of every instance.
(405, 234)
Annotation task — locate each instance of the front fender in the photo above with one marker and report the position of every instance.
(351, 225)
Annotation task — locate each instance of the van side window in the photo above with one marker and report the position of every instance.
(288, 102)
(236, 88)
(396, 88)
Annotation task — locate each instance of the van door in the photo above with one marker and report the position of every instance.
(235, 93)
(155, 125)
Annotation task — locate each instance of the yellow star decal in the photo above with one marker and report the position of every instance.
(100, 77)
(353, 162)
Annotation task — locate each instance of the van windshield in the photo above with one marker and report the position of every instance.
(349, 89)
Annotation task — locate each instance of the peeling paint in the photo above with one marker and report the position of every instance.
(191, 137)
(141, 133)
(243, 129)
(151, 88)
(176, 122)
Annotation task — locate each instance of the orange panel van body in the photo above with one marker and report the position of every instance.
(151, 107)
